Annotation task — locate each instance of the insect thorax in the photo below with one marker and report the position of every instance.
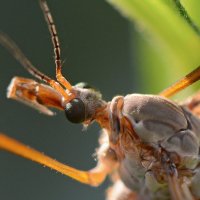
(167, 142)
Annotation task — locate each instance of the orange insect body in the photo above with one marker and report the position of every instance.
(149, 144)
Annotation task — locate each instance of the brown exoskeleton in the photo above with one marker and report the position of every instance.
(149, 144)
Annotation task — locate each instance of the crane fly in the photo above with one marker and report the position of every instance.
(149, 144)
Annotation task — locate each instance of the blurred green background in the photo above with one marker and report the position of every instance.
(100, 47)
(172, 40)
(95, 43)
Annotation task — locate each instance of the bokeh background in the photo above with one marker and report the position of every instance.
(96, 48)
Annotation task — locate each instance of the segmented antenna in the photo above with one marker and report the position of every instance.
(25, 62)
(15, 51)
(54, 36)
(53, 32)
(67, 93)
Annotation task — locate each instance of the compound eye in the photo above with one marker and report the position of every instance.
(75, 111)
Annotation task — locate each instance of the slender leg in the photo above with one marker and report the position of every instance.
(34, 94)
(184, 82)
(92, 177)
(179, 190)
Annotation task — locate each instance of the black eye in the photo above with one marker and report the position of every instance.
(75, 111)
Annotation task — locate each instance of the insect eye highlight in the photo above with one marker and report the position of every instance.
(75, 111)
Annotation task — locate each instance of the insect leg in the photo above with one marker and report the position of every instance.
(175, 188)
(179, 189)
(195, 182)
(177, 185)
(92, 177)
(34, 94)
(172, 177)
(184, 82)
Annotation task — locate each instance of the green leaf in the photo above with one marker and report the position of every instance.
(174, 39)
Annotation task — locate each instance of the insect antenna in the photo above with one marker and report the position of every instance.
(54, 36)
(15, 51)
(181, 84)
